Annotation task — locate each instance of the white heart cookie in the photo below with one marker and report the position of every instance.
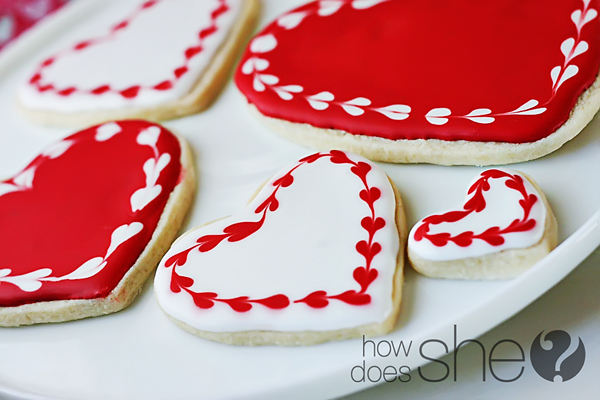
(158, 59)
(504, 227)
(316, 255)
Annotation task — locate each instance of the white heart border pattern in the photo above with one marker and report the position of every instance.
(256, 66)
(32, 281)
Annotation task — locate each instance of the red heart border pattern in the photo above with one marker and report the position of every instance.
(37, 80)
(477, 203)
(368, 248)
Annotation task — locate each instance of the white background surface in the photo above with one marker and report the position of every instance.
(139, 354)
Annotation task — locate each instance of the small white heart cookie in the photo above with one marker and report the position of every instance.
(505, 226)
(317, 255)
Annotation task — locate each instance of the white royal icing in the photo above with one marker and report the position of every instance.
(502, 208)
(152, 169)
(308, 244)
(146, 52)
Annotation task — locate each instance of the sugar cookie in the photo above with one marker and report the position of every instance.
(461, 82)
(317, 255)
(505, 227)
(86, 222)
(164, 59)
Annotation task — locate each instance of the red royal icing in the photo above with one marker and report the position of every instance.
(132, 90)
(506, 70)
(63, 215)
(16, 16)
(367, 248)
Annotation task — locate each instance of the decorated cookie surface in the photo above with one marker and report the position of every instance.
(503, 71)
(77, 218)
(317, 250)
(502, 211)
(505, 227)
(153, 55)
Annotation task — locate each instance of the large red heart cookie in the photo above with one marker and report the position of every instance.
(88, 219)
(505, 226)
(317, 255)
(456, 82)
(154, 59)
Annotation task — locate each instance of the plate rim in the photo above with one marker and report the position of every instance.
(561, 261)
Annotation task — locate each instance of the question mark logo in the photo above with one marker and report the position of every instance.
(552, 363)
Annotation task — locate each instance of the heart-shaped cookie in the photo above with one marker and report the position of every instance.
(458, 82)
(85, 223)
(317, 255)
(505, 226)
(156, 60)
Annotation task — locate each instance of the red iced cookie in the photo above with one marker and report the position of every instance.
(88, 219)
(458, 82)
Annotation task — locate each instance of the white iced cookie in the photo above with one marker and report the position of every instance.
(317, 255)
(159, 59)
(505, 226)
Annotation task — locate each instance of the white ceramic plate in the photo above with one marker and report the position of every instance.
(139, 354)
